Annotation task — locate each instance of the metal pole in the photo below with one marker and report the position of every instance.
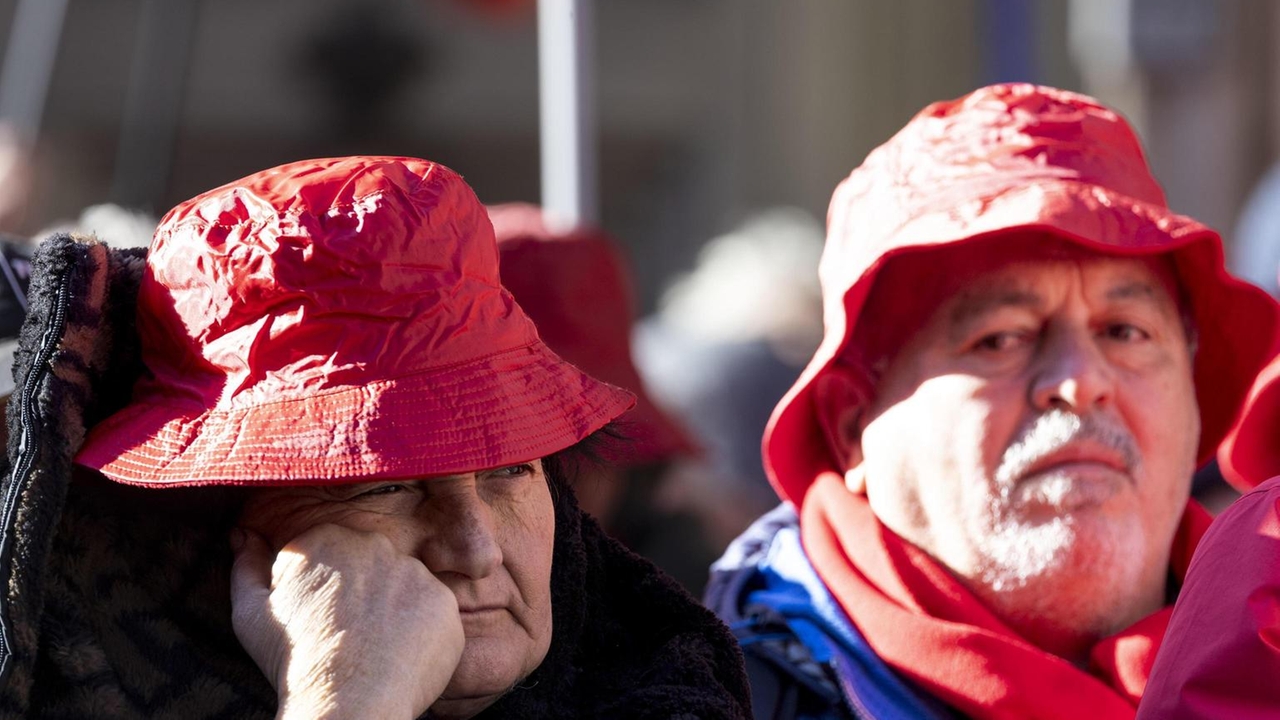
(153, 102)
(34, 39)
(567, 112)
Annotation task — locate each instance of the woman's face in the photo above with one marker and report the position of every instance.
(487, 535)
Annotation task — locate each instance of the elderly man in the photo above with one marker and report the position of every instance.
(988, 461)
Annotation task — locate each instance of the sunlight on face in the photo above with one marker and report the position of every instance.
(1038, 436)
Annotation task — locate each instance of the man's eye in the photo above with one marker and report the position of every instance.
(1126, 332)
(996, 342)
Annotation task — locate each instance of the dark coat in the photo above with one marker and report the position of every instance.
(116, 600)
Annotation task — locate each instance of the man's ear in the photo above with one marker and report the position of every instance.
(840, 397)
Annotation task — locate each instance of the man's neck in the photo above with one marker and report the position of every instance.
(1056, 618)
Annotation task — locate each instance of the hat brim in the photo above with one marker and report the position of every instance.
(1236, 321)
(506, 408)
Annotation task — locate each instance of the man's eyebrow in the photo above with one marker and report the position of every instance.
(1132, 290)
(978, 304)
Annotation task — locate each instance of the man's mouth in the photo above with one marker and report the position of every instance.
(1077, 476)
(1079, 457)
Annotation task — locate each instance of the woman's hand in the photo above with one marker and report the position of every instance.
(344, 626)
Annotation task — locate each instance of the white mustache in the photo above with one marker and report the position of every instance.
(1055, 430)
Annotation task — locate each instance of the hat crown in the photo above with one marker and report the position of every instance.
(322, 274)
(956, 157)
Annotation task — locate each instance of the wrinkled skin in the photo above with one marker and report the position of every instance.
(1036, 436)
(456, 570)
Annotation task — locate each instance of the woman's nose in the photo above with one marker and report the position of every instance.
(461, 537)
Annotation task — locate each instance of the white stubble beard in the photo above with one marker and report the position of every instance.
(1041, 567)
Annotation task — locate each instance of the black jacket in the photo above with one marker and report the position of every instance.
(116, 600)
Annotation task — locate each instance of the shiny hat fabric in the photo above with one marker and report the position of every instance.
(575, 287)
(337, 320)
(1015, 161)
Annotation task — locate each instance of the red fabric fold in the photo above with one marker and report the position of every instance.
(922, 622)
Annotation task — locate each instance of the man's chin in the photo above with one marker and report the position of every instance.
(1098, 539)
(1042, 497)
(1068, 564)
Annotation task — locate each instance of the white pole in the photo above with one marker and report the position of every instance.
(28, 63)
(567, 112)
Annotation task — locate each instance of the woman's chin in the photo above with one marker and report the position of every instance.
(489, 669)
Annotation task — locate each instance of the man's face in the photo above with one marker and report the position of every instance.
(488, 536)
(1037, 435)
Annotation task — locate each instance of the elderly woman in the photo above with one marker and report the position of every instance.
(373, 448)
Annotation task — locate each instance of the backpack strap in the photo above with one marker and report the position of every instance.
(789, 664)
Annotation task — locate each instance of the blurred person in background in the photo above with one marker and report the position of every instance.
(15, 276)
(1255, 253)
(575, 287)
(15, 252)
(1221, 655)
(115, 225)
(986, 466)
(327, 473)
(15, 177)
(728, 339)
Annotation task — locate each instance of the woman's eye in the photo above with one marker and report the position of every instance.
(388, 489)
(515, 470)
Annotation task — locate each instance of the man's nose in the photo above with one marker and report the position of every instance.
(1072, 372)
(461, 538)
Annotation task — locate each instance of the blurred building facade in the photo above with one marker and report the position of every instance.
(707, 109)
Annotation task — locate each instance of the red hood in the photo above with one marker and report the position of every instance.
(575, 286)
(1014, 158)
(1250, 455)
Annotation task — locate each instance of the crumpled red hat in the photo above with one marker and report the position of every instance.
(1250, 454)
(337, 320)
(1007, 159)
(576, 288)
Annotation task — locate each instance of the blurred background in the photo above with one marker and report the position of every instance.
(708, 110)
(723, 126)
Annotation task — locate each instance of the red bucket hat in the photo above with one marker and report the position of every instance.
(337, 320)
(1005, 160)
(576, 288)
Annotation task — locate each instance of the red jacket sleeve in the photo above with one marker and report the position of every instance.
(1221, 655)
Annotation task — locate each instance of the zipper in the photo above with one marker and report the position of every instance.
(26, 457)
(842, 671)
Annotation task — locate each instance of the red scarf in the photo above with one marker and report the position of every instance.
(927, 626)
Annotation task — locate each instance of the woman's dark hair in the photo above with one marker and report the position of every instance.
(610, 445)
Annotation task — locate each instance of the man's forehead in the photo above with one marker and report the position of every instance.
(912, 291)
(1023, 283)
